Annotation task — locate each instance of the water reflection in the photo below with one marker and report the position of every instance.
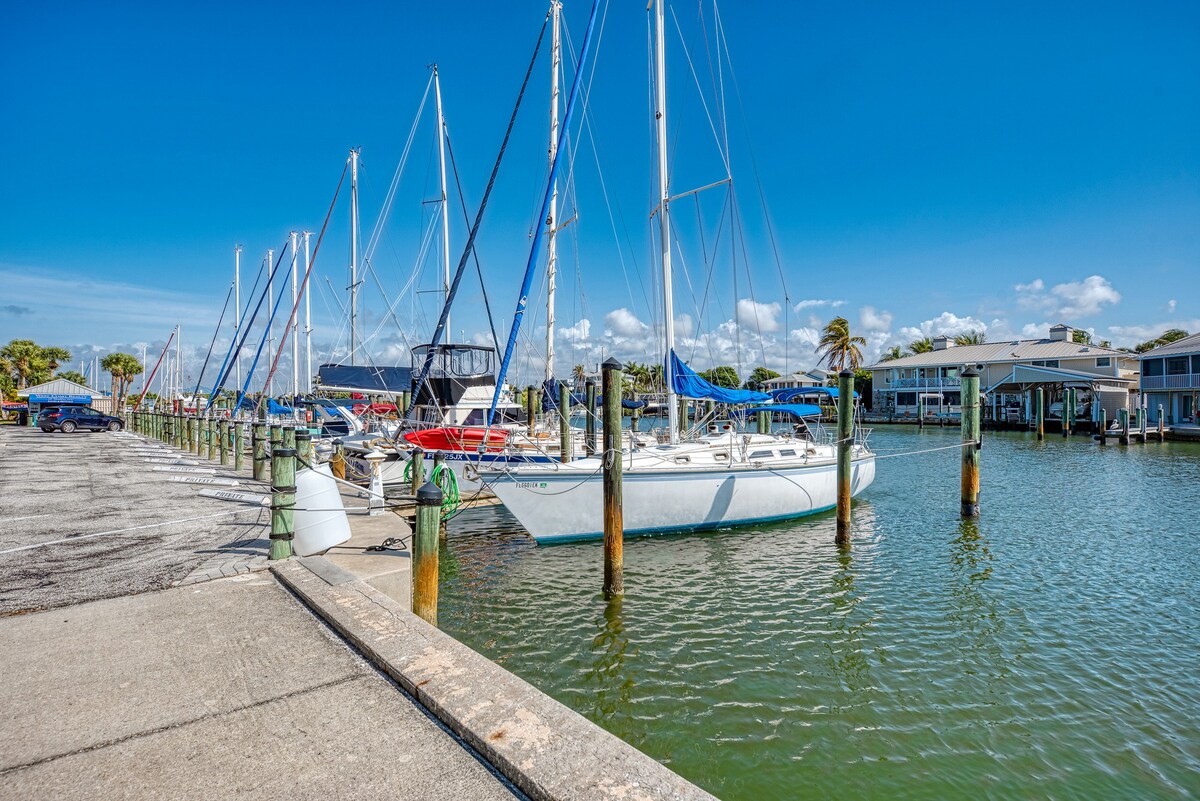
(611, 686)
(848, 658)
(973, 611)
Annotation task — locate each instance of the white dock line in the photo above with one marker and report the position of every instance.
(30, 517)
(120, 531)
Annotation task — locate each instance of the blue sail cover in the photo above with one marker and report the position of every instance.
(278, 408)
(793, 409)
(690, 385)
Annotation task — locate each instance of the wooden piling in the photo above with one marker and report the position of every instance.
(589, 441)
(920, 412)
(1160, 422)
(416, 461)
(425, 553)
(531, 409)
(223, 441)
(845, 434)
(283, 500)
(1065, 414)
(564, 422)
(1103, 427)
(635, 416)
(276, 441)
(210, 440)
(1123, 416)
(614, 523)
(238, 446)
(338, 463)
(304, 448)
(1041, 414)
(177, 430)
(971, 442)
(195, 435)
(764, 422)
(258, 450)
(683, 415)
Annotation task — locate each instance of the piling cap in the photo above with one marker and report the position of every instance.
(970, 372)
(429, 495)
(375, 455)
(846, 374)
(612, 364)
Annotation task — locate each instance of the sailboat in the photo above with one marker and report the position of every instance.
(722, 478)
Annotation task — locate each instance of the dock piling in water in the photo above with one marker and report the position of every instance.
(439, 463)
(1103, 427)
(425, 553)
(614, 523)
(971, 443)
(416, 461)
(283, 499)
(1041, 414)
(1123, 416)
(590, 431)
(564, 422)
(845, 434)
(1160, 422)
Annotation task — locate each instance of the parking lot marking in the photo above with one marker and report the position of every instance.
(119, 531)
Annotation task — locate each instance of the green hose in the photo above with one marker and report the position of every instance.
(447, 482)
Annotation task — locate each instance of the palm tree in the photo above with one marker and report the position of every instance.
(24, 357)
(579, 375)
(123, 368)
(971, 338)
(923, 345)
(53, 357)
(892, 353)
(838, 348)
(75, 376)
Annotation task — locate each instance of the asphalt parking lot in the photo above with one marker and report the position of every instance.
(83, 516)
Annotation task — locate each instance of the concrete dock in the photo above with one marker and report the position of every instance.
(149, 653)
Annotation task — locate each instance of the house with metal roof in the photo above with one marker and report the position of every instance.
(1170, 381)
(815, 377)
(61, 392)
(1011, 371)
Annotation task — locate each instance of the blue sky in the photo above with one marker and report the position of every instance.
(927, 168)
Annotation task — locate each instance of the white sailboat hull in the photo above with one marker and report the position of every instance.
(564, 504)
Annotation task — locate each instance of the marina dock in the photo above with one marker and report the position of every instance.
(152, 650)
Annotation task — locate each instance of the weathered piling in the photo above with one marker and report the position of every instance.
(425, 553)
(416, 464)
(589, 442)
(338, 463)
(1160, 422)
(276, 440)
(258, 450)
(210, 439)
(1123, 416)
(405, 399)
(845, 433)
(238, 446)
(177, 430)
(614, 523)
(1041, 413)
(764, 422)
(223, 441)
(283, 500)
(970, 442)
(195, 434)
(564, 422)
(1069, 410)
(1103, 427)
(531, 409)
(304, 448)
(1066, 412)
(683, 415)
(920, 412)
(635, 416)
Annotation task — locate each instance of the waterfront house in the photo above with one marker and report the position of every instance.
(1170, 378)
(815, 377)
(1010, 371)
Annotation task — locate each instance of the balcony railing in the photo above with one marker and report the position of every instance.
(932, 383)
(1184, 381)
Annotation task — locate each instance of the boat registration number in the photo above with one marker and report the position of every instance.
(531, 484)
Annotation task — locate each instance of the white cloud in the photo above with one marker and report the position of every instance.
(624, 323)
(808, 304)
(1171, 306)
(760, 317)
(579, 333)
(1068, 300)
(685, 326)
(1126, 336)
(871, 320)
(946, 323)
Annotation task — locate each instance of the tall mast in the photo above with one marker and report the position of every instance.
(291, 325)
(237, 306)
(271, 319)
(441, 124)
(552, 216)
(178, 373)
(664, 219)
(307, 321)
(353, 257)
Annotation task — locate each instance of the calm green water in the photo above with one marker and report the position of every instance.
(1050, 650)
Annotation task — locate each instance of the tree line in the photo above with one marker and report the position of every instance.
(24, 363)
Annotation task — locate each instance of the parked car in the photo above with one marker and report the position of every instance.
(70, 418)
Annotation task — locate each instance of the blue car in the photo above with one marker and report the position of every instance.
(73, 418)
